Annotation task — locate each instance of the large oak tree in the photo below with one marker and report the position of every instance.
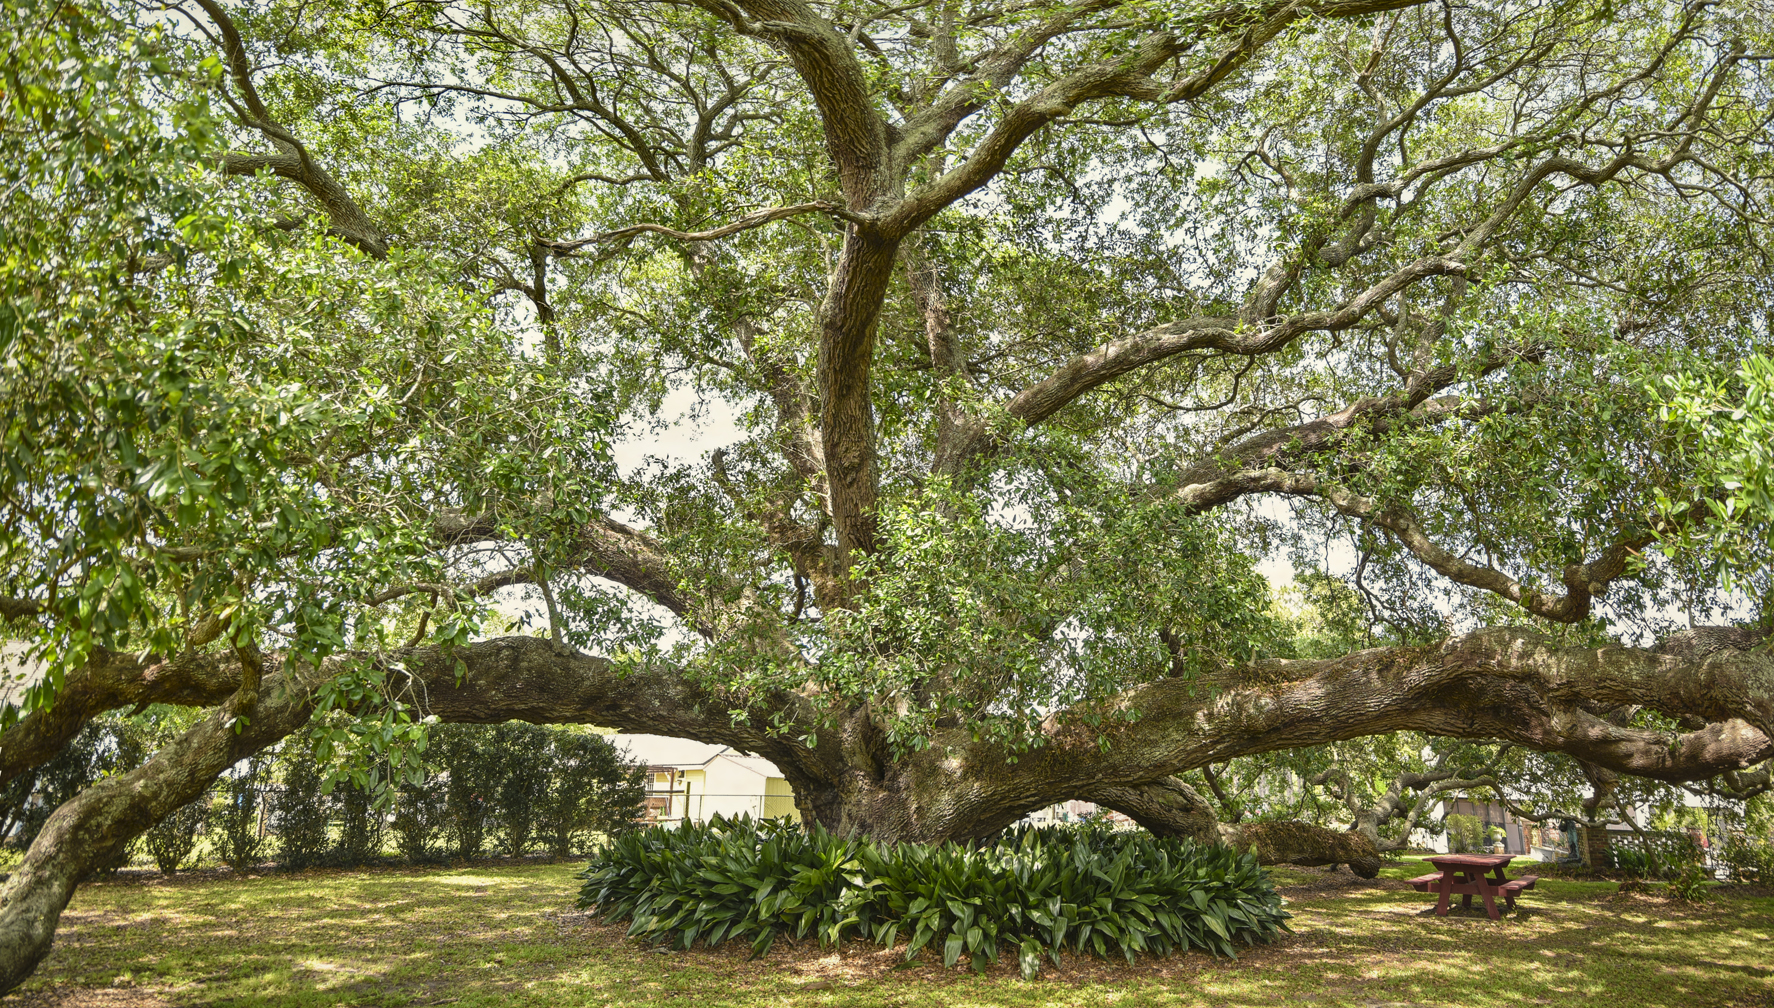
(1040, 325)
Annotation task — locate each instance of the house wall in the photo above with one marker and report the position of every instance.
(728, 788)
(722, 786)
(779, 799)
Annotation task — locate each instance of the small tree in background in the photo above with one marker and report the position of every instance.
(593, 791)
(1465, 832)
(300, 811)
(106, 746)
(472, 768)
(172, 840)
(236, 813)
(418, 814)
(361, 826)
(528, 754)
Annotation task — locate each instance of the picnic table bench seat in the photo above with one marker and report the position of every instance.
(1422, 882)
(1510, 888)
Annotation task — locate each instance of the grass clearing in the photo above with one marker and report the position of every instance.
(509, 935)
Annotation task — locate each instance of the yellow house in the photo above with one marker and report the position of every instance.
(693, 781)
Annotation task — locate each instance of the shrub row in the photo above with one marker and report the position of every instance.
(1654, 853)
(104, 746)
(1747, 858)
(519, 786)
(1036, 890)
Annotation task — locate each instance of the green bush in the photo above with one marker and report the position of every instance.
(1689, 883)
(591, 793)
(1035, 890)
(523, 784)
(300, 811)
(473, 765)
(1747, 858)
(106, 746)
(361, 826)
(171, 840)
(1655, 854)
(418, 820)
(1465, 833)
(1628, 860)
(520, 782)
(236, 813)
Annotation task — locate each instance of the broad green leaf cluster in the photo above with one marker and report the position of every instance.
(1726, 422)
(1039, 892)
(221, 426)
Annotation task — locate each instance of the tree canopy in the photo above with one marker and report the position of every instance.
(1041, 325)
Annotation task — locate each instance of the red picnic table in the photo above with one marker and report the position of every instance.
(1464, 874)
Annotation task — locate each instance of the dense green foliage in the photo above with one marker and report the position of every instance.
(1662, 854)
(1728, 419)
(105, 746)
(1038, 891)
(298, 812)
(273, 417)
(223, 431)
(1747, 858)
(236, 814)
(514, 782)
(173, 840)
(520, 782)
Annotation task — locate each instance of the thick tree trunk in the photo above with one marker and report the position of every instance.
(1170, 807)
(91, 828)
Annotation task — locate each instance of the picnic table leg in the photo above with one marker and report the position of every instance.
(1490, 903)
(1445, 887)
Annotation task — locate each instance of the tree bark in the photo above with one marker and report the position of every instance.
(92, 827)
(1170, 807)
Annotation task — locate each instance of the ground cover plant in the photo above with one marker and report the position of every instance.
(481, 936)
(1039, 891)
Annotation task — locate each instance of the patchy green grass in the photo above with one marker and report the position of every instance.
(508, 935)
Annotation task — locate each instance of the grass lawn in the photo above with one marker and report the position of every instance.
(508, 934)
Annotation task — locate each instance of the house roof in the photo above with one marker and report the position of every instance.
(665, 751)
(756, 764)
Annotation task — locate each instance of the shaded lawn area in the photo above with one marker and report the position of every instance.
(508, 934)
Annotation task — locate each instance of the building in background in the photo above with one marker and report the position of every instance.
(1522, 837)
(694, 781)
(1061, 812)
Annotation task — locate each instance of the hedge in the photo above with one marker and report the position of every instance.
(1035, 890)
(518, 785)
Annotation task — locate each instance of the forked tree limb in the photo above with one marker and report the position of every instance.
(293, 159)
(90, 828)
